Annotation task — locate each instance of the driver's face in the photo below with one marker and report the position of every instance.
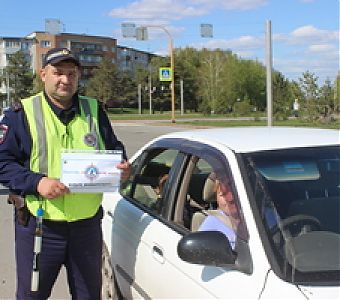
(225, 199)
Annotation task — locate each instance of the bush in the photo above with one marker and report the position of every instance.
(242, 108)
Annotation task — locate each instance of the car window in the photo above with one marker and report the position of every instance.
(195, 201)
(199, 200)
(297, 196)
(149, 178)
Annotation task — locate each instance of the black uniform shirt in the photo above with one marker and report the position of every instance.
(16, 145)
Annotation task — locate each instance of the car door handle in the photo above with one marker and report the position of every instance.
(157, 253)
(110, 214)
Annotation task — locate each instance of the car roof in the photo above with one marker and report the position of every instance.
(250, 139)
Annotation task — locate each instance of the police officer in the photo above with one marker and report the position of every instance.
(32, 136)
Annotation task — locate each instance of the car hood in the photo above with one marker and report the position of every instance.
(275, 285)
(324, 292)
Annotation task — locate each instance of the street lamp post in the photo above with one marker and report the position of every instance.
(172, 66)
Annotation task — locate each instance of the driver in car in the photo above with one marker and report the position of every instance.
(225, 219)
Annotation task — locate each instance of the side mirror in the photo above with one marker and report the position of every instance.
(210, 248)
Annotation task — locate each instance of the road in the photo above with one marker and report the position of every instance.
(133, 135)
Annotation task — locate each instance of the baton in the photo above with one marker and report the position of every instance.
(37, 250)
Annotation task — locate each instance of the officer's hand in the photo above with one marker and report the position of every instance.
(51, 188)
(125, 167)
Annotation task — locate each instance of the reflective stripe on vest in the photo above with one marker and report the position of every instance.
(86, 107)
(40, 124)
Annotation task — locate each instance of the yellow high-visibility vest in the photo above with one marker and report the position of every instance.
(49, 138)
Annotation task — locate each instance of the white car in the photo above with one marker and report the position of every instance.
(286, 185)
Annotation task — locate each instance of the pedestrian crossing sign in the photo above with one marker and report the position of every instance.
(165, 74)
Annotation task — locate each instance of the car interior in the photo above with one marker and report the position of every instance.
(149, 184)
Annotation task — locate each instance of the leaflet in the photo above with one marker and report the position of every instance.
(91, 171)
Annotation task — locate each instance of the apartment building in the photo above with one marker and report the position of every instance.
(130, 59)
(89, 49)
(10, 45)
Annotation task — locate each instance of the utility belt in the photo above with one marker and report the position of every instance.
(22, 213)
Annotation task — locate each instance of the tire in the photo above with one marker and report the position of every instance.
(110, 290)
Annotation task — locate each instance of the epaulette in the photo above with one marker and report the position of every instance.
(17, 106)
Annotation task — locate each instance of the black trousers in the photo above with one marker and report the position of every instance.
(76, 245)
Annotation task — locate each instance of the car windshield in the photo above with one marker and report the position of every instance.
(297, 197)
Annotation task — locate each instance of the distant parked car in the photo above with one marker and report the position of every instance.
(286, 187)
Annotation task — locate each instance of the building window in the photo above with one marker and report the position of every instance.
(25, 46)
(12, 44)
(45, 44)
(90, 58)
(63, 44)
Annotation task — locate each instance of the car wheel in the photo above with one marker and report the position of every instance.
(110, 290)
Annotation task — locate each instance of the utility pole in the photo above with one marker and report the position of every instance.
(150, 93)
(8, 89)
(182, 98)
(269, 63)
(140, 98)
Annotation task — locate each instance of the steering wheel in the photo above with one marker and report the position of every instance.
(298, 225)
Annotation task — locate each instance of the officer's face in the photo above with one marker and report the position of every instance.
(61, 82)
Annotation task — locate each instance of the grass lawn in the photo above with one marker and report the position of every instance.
(291, 123)
(197, 119)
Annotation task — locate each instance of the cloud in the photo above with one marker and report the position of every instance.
(247, 47)
(310, 33)
(294, 68)
(321, 48)
(308, 48)
(179, 9)
(307, 35)
(231, 4)
(158, 9)
(241, 43)
(318, 47)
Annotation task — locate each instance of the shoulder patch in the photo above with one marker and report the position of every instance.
(3, 132)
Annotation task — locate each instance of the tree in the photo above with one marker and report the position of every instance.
(309, 88)
(252, 83)
(187, 63)
(210, 80)
(20, 76)
(309, 85)
(126, 93)
(282, 97)
(38, 84)
(103, 85)
(327, 104)
(337, 94)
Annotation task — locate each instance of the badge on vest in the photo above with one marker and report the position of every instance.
(90, 139)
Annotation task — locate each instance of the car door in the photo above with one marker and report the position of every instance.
(146, 229)
(144, 242)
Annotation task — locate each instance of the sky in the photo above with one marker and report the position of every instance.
(305, 33)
